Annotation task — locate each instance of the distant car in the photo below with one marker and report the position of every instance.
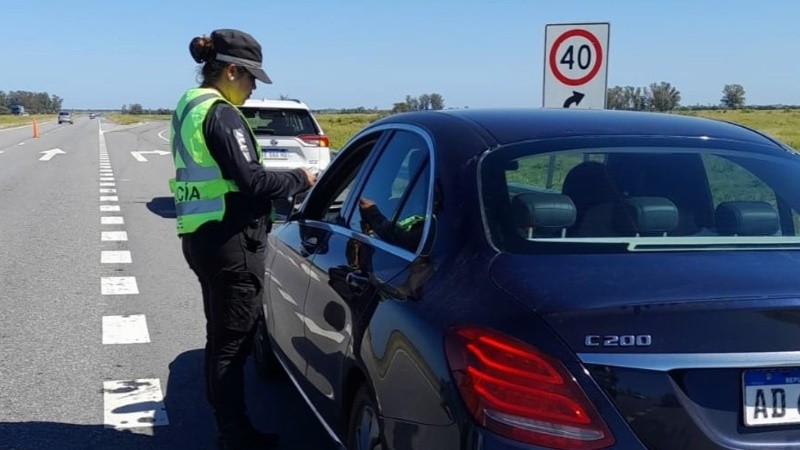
(544, 279)
(288, 134)
(64, 117)
(92, 115)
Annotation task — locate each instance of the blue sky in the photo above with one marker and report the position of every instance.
(341, 54)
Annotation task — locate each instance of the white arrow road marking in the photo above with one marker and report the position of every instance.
(49, 154)
(138, 155)
(133, 404)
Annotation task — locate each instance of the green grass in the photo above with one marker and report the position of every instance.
(7, 121)
(128, 119)
(783, 125)
(341, 127)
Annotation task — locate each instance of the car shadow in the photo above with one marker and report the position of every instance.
(273, 405)
(162, 206)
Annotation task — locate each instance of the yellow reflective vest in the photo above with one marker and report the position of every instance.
(198, 187)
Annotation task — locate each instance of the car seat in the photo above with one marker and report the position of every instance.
(596, 198)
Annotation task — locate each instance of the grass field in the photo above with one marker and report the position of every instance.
(781, 124)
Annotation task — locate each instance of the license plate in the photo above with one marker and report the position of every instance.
(277, 154)
(771, 397)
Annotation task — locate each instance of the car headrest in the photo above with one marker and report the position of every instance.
(746, 218)
(543, 210)
(647, 216)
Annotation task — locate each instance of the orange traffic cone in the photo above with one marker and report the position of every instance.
(35, 128)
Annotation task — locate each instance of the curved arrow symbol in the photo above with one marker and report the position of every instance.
(138, 155)
(576, 98)
(47, 155)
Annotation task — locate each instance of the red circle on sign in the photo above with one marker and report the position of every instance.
(597, 49)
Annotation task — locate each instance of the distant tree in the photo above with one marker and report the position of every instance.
(437, 102)
(136, 109)
(733, 96)
(413, 103)
(615, 98)
(424, 102)
(284, 97)
(400, 107)
(665, 97)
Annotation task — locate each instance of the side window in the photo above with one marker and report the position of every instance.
(398, 186)
(329, 196)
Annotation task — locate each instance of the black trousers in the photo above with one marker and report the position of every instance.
(231, 273)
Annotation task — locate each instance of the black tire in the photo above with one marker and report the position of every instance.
(364, 427)
(267, 365)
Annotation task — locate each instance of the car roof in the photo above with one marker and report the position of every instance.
(265, 103)
(521, 124)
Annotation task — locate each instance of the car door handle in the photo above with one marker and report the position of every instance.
(308, 246)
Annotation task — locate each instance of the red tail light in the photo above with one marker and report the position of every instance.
(516, 391)
(315, 139)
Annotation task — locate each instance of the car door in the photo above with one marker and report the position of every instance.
(360, 261)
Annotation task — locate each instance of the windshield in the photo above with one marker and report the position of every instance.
(643, 196)
(279, 122)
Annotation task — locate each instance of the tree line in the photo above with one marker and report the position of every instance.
(136, 109)
(664, 97)
(423, 102)
(33, 102)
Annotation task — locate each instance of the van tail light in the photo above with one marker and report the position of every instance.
(516, 391)
(315, 140)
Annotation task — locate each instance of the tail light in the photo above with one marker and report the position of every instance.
(516, 391)
(315, 139)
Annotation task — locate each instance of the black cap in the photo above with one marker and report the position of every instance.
(238, 47)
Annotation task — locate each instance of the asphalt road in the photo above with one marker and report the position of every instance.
(100, 338)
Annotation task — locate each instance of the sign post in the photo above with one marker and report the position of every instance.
(575, 65)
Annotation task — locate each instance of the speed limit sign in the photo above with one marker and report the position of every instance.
(575, 65)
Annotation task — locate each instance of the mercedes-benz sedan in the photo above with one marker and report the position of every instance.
(526, 279)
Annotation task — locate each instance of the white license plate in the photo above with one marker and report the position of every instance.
(277, 154)
(771, 397)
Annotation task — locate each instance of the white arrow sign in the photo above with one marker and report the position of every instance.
(138, 155)
(47, 155)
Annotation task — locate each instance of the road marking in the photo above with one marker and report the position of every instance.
(110, 220)
(138, 155)
(109, 208)
(107, 184)
(162, 137)
(47, 155)
(21, 143)
(106, 178)
(125, 330)
(113, 236)
(109, 198)
(118, 286)
(108, 191)
(133, 404)
(1, 152)
(115, 257)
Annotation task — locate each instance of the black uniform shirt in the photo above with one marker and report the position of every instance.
(233, 149)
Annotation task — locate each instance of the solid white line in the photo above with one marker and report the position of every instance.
(124, 404)
(109, 198)
(108, 191)
(113, 236)
(125, 330)
(110, 220)
(115, 257)
(109, 208)
(118, 286)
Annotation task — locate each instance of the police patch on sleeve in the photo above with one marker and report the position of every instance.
(238, 133)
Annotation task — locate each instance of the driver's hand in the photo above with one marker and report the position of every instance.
(365, 203)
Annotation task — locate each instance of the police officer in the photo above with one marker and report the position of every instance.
(223, 198)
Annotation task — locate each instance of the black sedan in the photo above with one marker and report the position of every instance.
(524, 279)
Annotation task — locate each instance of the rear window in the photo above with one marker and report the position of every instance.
(63, 113)
(640, 197)
(279, 122)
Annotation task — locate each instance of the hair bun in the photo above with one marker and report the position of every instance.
(202, 49)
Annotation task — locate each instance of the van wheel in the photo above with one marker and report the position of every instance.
(365, 429)
(267, 365)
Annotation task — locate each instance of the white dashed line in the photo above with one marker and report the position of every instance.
(118, 286)
(125, 330)
(115, 257)
(106, 178)
(108, 191)
(111, 220)
(109, 208)
(108, 184)
(113, 236)
(133, 404)
(109, 198)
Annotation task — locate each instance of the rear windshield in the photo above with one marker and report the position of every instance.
(645, 196)
(280, 122)
(63, 113)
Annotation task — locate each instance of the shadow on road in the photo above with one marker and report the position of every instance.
(273, 405)
(162, 206)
